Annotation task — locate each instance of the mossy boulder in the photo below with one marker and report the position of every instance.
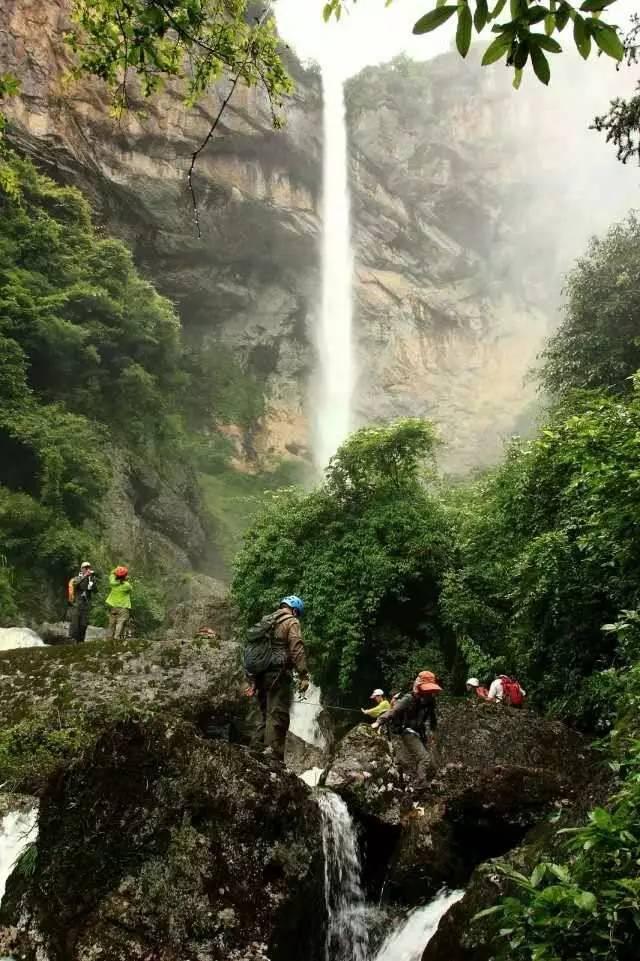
(160, 844)
(495, 773)
(54, 701)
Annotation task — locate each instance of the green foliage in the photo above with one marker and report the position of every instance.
(598, 343)
(587, 906)
(365, 550)
(516, 41)
(194, 41)
(549, 552)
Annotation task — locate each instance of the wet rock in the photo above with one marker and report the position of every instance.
(496, 772)
(159, 844)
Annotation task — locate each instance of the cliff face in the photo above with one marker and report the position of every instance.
(453, 294)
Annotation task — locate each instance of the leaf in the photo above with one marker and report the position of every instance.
(541, 66)
(481, 15)
(522, 55)
(538, 874)
(591, 6)
(517, 79)
(433, 19)
(497, 10)
(562, 17)
(326, 12)
(547, 43)
(560, 871)
(497, 49)
(586, 901)
(463, 33)
(486, 912)
(581, 37)
(608, 40)
(536, 14)
(549, 24)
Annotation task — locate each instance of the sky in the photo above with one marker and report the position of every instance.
(373, 32)
(370, 33)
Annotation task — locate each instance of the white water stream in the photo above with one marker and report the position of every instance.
(17, 829)
(335, 348)
(407, 942)
(14, 637)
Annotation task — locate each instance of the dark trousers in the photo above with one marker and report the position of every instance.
(413, 757)
(273, 693)
(78, 622)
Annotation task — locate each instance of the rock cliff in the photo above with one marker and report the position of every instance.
(464, 215)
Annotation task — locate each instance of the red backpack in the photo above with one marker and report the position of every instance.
(511, 691)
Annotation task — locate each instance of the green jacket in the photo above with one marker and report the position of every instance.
(120, 593)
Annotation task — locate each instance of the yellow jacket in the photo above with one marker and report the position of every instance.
(378, 709)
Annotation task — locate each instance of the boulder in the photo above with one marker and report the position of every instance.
(58, 632)
(496, 773)
(161, 845)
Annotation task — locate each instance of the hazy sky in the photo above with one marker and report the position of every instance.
(370, 33)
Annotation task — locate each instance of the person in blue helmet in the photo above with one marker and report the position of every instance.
(274, 651)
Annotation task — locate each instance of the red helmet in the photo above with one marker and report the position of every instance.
(121, 571)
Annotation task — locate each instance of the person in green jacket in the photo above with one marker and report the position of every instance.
(380, 704)
(118, 601)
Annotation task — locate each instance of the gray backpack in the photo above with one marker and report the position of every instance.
(260, 654)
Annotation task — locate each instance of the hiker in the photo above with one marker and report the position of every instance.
(407, 723)
(118, 601)
(380, 704)
(79, 594)
(475, 687)
(274, 649)
(507, 690)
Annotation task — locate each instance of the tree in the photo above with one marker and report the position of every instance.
(517, 43)
(366, 550)
(598, 343)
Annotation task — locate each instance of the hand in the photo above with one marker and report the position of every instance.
(250, 690)
(375, 726)
(303, 685)
(363, 710)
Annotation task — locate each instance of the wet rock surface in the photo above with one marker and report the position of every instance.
(159, 844)
(496, 772)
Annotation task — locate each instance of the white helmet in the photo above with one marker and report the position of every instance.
(85, 564)
(473, 682)
(377, 693)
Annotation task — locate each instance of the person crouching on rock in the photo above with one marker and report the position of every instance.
(79, 594)
(273, 650)
(380, 704)
(475, 688)
(407, 723)
(118, 601)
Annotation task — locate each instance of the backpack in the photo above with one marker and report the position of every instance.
(511, 691)
(260, 655)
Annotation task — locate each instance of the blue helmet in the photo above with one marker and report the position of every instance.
(294, 602)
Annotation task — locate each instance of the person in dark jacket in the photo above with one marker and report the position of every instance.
(79, 594)
(274, 688)
(407, 722)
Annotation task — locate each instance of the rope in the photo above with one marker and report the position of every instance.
(334, 707)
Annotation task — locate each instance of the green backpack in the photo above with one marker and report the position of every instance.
(260, 654)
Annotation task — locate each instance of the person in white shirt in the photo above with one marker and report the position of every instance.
(507, 690)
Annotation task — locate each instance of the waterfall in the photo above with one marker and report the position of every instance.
(13, 637)
(347, 934)
(407, 942)
(304, 718)
(17, 829)
(335, 349)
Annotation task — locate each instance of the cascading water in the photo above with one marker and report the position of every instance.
(407, 942)
(14, 637)
(335, 349)
(17, 829)
(347, 934)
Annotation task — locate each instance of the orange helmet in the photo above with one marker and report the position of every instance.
(121, 571)
(425, 683)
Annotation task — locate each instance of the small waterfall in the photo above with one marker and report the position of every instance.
(347, 934)
(13, 637)
(407, 942)
(304, 716)
(335, 349)
(17, 829)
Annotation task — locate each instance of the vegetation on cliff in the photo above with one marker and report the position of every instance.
(91, 360)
